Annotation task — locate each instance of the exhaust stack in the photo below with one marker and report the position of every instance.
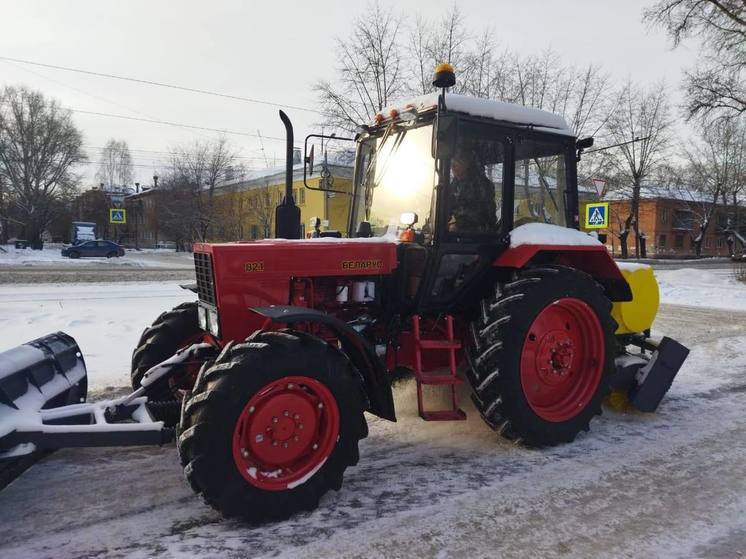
(287, 214)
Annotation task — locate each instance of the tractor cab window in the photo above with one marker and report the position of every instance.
(396, 175)
(474, 198)
(540, 181)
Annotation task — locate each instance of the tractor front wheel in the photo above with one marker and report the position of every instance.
(171, 331)
(541, 354)
(272, 425)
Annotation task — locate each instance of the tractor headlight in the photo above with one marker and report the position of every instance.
(202, 317)
(212, 322)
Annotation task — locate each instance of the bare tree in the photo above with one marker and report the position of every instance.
(642, 115)
(716, 85)
(115, 164)
(715, 168)
(262, 209)
(195, 172)
(369, 70)
(39, 147)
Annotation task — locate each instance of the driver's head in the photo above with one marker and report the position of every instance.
(463, 162)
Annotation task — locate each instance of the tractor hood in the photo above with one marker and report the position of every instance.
(283, 258)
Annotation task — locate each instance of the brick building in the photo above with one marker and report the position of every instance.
(671, 221)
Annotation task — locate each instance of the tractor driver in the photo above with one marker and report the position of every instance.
(471, 197)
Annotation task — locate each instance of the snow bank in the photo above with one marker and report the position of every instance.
(488, 108)
(50, 255)
(702, 288)
(547, 234)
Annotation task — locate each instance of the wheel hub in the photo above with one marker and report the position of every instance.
(283, 427)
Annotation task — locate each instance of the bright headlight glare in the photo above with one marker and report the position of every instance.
(202, 317)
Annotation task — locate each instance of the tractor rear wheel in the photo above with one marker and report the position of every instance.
(171, 331)
(541, 354)
(272, 425)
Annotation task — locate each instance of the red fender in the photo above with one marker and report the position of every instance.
(593, 260)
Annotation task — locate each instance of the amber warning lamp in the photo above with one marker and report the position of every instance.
(445, 76)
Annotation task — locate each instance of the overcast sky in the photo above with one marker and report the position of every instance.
(273, 51)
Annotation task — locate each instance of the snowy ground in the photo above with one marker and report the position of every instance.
(105, 319)
(702, 288)
(670, 484)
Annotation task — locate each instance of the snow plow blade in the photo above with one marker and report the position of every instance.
(655, 378)
(45, 373)
(646, 379)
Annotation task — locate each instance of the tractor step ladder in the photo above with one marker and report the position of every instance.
(449, 379)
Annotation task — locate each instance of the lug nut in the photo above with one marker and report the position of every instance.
(286, 413)
(275, 420)
(295, 438)
(284, 445)
(244, 453)
(259, 438)
(290, 386)
(321, 405)
(300, 426)
(274, 443)
(252, 409)
(315, 446)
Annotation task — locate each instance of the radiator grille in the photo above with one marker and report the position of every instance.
(205, 281)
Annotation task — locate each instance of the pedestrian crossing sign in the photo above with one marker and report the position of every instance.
(117, 216)
(597, 215)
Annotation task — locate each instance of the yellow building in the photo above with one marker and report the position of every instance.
(245, 209)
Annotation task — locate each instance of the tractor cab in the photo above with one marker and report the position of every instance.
(450, 177)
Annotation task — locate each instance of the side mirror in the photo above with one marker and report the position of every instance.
(445, 136)
(309, 161)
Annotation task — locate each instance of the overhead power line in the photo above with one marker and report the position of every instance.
(167, 123)
(178, 124)
(162, 84)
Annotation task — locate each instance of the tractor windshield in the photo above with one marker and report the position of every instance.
(395, 175)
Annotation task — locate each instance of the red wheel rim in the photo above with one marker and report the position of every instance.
(285, 433)
(562, 359)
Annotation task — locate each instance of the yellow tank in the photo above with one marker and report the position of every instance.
(638, 314)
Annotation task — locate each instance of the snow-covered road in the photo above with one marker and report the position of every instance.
(670, 484)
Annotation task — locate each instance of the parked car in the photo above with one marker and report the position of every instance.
(93, 248)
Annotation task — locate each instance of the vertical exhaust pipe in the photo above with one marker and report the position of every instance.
(287, 214)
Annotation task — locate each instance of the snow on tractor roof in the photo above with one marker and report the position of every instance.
(489, 108)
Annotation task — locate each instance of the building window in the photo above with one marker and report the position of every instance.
(683, 219)
(664, 215)
(720, 242)
(661, 241)
(302, 196)
(254, 232)
(678, 241)
(708, 242)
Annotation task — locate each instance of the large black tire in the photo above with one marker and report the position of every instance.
(170, 332)
(497, 344)
(222, 392)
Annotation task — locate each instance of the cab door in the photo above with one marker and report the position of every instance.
(472, 200)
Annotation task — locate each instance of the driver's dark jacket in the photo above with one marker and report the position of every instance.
(471, 204)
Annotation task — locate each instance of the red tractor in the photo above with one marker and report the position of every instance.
(462, 262)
